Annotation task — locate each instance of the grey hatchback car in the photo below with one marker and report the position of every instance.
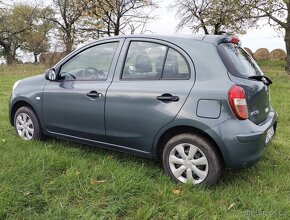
(198, 103)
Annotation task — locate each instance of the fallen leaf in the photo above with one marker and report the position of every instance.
(78, 173)
(176, 191)
(27, 193)
(110, 157)
(95, 181)
(231, 205)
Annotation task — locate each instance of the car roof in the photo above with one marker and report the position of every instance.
(214, 39)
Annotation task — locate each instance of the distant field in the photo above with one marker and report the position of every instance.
(56, 179)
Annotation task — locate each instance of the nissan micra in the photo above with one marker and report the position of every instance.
(199, 104)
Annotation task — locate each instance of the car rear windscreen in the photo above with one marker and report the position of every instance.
(238, 62)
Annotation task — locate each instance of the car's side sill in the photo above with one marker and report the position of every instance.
(103, 144)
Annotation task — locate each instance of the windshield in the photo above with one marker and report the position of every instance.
(238, 61)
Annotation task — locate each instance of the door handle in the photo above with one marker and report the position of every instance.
(168, 98)
(94, 95)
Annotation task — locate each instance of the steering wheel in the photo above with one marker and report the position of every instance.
(69, 74)
(91, 72)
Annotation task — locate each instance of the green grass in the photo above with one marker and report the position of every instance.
(56, 179)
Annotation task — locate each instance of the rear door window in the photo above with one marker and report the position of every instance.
(154, 61)
(141, 61)
(238, 62)
(175, 66)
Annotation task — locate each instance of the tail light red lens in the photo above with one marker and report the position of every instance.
(238, 102)
(235, 40)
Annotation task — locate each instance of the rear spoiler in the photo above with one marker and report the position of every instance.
(230, 39)
(220, 39)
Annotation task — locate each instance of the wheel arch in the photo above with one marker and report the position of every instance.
(18, 104)
(173, 131)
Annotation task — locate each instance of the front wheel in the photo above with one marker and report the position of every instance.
(189, 158)
(27, 125)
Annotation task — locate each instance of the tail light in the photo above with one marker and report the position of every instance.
(235, 40)
(238, 102)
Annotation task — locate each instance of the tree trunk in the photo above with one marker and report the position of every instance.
(287, 39)
(10, 59)
(204, 27)
(117, 30)
(287, 44)
(35, 58)
(9, 55)
(217, 27)
(109, 28)
(68, 46)
(117, 26)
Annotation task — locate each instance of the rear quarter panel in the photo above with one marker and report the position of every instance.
(212, 83)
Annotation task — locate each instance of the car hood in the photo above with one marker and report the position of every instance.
(34, 79)
(29, 85)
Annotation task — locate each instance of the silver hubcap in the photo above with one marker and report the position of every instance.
(24, 126)
(188, 163)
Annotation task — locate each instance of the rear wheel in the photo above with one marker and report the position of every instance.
(27, 125)
(189, 158)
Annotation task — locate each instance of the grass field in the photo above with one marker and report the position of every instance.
(56, 179)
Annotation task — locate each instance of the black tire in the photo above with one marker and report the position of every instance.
(205, 148)
(38, 133)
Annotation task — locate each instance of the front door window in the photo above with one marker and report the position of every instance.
(91, 64)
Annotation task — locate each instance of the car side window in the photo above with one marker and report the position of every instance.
(91, 64)
(176, 66)
(153, 61)
(141, 61)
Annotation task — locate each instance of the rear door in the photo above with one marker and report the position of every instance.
(242, 69)
(151, 85)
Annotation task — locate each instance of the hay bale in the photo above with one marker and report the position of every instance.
(277, 54)
(261, 54)
(248, 50)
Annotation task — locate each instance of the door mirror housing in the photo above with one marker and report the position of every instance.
(50, 75)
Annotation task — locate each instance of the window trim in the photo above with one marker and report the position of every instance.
(59, 79)
(167, 49)
(186, 61)
(164, 61)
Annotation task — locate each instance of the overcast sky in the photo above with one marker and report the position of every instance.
(166, 23)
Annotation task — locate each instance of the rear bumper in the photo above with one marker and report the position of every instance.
(242, 143)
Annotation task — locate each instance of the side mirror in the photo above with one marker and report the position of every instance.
(50, 75)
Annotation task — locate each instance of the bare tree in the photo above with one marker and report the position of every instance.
(140, 26)
(213, 16)
(119, 16)
(68, 14)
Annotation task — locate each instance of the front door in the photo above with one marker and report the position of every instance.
(152, 84)
(74, 105)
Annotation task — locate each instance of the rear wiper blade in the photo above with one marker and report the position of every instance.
(262, 78)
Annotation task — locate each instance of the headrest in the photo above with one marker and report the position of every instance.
(143, 63)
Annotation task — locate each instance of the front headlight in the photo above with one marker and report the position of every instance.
(15, 84)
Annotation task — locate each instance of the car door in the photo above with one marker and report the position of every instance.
(153, 81)
(74, 104)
